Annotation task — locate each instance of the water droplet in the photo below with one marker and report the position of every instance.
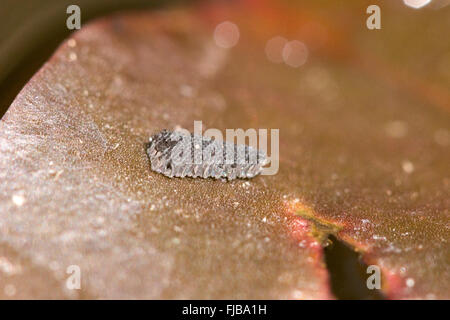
(72, 56)
(407, 166)
(72, 43)
(18, 200)
(410, 282)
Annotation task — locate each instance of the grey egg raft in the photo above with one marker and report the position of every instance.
(177, 154)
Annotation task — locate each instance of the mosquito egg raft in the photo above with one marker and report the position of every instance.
(176, 154)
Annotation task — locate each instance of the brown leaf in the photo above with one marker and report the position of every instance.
(356, 160)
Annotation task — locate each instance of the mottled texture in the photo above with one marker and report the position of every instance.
(182, 154)
(76, 185)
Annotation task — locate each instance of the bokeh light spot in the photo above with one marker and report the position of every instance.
(274, 49)
(295, 53)
(416, 4)
(226, 34)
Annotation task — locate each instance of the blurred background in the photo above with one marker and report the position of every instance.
(411, 48)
